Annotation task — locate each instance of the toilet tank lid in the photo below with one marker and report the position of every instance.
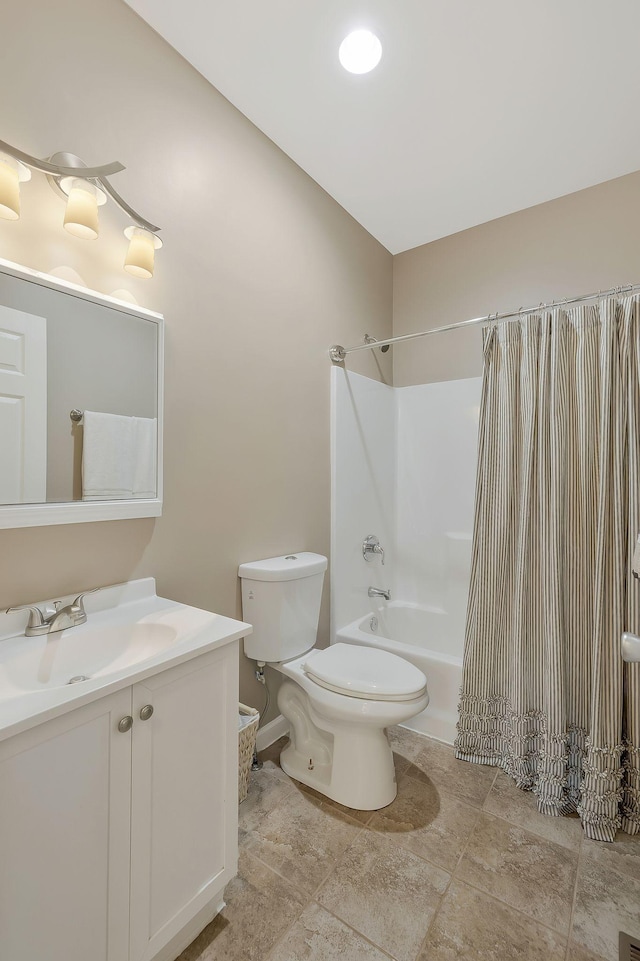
(288, 567)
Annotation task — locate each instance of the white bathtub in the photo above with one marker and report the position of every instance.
(422, 636)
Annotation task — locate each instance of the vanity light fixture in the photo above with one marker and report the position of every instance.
(81, 215)
(360, 51)
(84, 189)
(142, 250)
(12, 174)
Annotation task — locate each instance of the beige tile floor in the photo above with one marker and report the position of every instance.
(460, 866)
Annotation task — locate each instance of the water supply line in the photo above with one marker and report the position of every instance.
(261, 678)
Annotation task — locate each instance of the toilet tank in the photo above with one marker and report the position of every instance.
(281, 599)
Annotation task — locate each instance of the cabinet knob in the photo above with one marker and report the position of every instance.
(125, 724)
(146, 712)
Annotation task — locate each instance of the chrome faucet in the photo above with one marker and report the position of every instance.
(371, 546)
(59, 619)
(375, 592)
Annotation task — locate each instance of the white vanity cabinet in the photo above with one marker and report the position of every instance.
(116, 845)
(184, 798)
(65, 798)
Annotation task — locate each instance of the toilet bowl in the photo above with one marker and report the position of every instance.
(339, 744)
(338, 701)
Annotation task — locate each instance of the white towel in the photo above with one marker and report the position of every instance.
(107, 456)
(145, 432)
(118, 457)
(635, 563)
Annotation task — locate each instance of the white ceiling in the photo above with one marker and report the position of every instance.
(477, 109)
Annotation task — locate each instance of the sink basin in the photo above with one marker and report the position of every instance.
(80, 654)
(130, 634)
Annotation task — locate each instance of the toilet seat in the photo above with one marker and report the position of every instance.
(365, 672)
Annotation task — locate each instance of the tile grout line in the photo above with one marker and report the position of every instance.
(364, 937)
(278, 874)
(272, 870)
(312, 899)
(529, 830)
(495, 897)
(441, 790)
(578, 850)
(270, 954)
(361, 828)
(452, 877)
(455, 877)
(303, 908)
(573, 900)
(366, 827)
(337, 862)
(527, 917)
(434, 864)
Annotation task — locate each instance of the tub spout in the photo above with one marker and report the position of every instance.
(375, 592)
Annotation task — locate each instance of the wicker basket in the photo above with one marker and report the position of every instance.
(246, 747)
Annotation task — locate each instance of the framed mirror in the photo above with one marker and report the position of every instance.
(81, 386)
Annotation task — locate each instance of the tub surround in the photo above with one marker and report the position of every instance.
(437, 441)
(404, 468)
(363, 490)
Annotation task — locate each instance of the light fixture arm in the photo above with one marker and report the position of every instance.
(46, 167)
(124, 206)
(95, 175)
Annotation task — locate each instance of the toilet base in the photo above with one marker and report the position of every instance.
(362, 794)
(347, 759)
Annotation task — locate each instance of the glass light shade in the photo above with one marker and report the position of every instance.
(360, 52)
(11, 173)
(141, 253)
(81, 215)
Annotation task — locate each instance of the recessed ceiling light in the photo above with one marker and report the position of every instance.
(360, 52)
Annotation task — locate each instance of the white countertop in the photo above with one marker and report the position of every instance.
(123, 615)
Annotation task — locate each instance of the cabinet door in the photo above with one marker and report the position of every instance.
(184, 810)
(64, 837)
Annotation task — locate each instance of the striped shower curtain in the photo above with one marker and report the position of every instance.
(545, 694)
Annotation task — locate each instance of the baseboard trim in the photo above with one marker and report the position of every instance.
(271, 732)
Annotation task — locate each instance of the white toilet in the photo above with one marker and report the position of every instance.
(338, 701)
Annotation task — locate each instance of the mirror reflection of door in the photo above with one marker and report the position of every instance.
(23, 407)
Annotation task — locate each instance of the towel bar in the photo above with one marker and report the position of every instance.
(76, 415)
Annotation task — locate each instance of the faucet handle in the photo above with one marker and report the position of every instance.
(80, 598)
(370, 546)
(36, 618)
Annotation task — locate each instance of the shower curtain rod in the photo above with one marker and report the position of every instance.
(338, 353)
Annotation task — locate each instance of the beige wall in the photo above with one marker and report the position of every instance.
(581, 243)
(260, 273)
